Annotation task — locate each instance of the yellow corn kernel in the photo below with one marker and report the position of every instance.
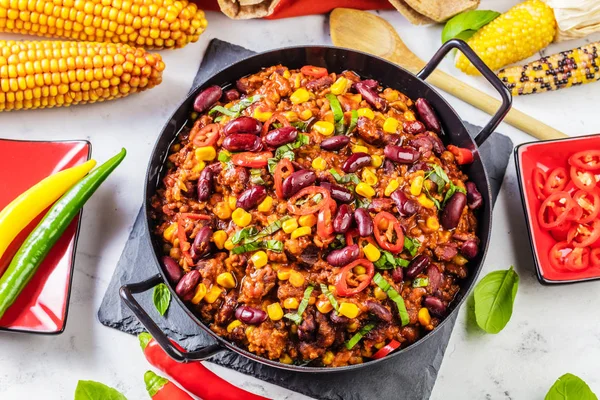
(299, 232)
(390, 125)
(226, 280)
(233, 325)
(241, 218)
(296, 279)
(289, 225)
(249, 330)
(369, 177)
(328, 358)
(371, 252)
(357, 148)
(376, 161)
(432, 223)
(319, 164)
(232, 202)
(291, 303)
(261, 115)
(213, 294)
(349, 310)
(259, 259)
(324, 306)
(325, 128)
(306, 114)
(425, 201)
(365, 190)
(286, 74)
(359, 270)
(459, 260)
(366, 112)
(339, 86)
(300, 96)
(266, 204)
(391, 187)
(331, 288)
(424, 317)
(222, 210)
(312, 300)
(416, 185)
(308, 220)
(286, 359)
(291, 116)
(284, 274)
(379, 293)
(198, 167)
(228, 244)
(206, 153)
(409, 116)
(169, 233)
(390, 94)
(379, 345)
(219, 237)
(275, 312)
(200, 293)
(352, 326)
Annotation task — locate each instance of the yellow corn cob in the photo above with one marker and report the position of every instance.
(562, 70)
(52, 73)
(147, 23)
(515, 35)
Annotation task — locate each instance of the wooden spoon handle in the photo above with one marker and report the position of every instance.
(484, 102)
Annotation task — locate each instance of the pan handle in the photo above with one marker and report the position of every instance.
(487, 74)
(127, 291)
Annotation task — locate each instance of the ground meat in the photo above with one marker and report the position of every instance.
(310, 351)
(368, 131)
(446, 252)
(257, 284)
(267, 341)
(227, 309)
(319, 84)
(326, 334)
(235, 178)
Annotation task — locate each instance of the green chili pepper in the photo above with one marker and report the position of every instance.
(50, 229)
(353, 122)
(338, 113)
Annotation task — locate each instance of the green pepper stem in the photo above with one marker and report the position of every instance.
(154, 383)
(144, 339)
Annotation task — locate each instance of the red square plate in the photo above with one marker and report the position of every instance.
(42, 306)
(548, 155)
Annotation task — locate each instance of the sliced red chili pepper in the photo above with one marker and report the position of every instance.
(341, 286)
(584, 180)
(391, 225)
(462, 155)
(387, 349)
(325, 220)
(589, 202)
(575, 213)
(556, 182)
(279, 117)
(311, 70)
(561, 231)
(578, 259)
(588, 160)
(539, 180)
(350, 235)
(283, 169)
(305, 209)
(252, 160)
(595, 258)
(184, 245)
(555, 210)
(583, 235)
(206, 136)
(558, 254)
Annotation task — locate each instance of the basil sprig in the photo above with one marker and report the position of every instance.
(235, 110)
(441, 179)
(161, 297)
(359, 335)
(287, 151)
(273, 245)
(388, 261)
(570, 386)
(343, 179)
(494, 297)
(394, 296)
(251, 234)
(411, 245)
(90, 390)
(325, 290)
(297, 316)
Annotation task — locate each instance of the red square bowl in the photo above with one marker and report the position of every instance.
(42, 306)
(548, 155)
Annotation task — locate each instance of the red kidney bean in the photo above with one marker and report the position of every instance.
(370, 83)
(307, 329)
(243, 124)
(438, 146)
(207, 98)
(338, 192)
(388, 167)
(435, 277)
(469, 249)
(417, 265)
(427, 115)
(343, 219)
(279, 137)
(401, 154)
(187, 284)
(205, 184)
(422, 143)
(379, 311)
(356, 161)
(242, 142)
(453, 210)
(172, 269)
(406, 207)
(335, 143)
(252, 197)
(413, 127)
(231, 95)
(338, 319)
(242, 85)
(297, 181)
(343, 256)
(398, 274)
(435, 305)
(250, 315)
(370, 95)
(319, 83)
(474, 198)
(364, 222)
(202, 244)
(420, 166)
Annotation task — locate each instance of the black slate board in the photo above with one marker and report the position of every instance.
(412, 377)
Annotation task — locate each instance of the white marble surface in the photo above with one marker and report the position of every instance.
(554, 330)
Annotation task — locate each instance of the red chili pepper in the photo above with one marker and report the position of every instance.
(341, 287)
(595, 258)
(193, 377)
(556, 181)
(555, 209)
(561, 231)
(582, 235)
(584, 180)
(588, 160)
(387, 349)
(578, 259)
(160, 388)
(462, 155)
(279, 117)
(184, 245)
(283, 169)
(311, 70)
(251, 160)
(558, 254)
(385, 220)
(308, 191)
(589, 202)
(206, 136)
(539, 181)
(325, 220)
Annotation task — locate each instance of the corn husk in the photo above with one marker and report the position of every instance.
(246, 9)
(575, 18)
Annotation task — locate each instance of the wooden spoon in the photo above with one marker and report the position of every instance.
(369, 33)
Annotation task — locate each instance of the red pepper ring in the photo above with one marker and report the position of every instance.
(183, 237)
(558, 255)
(341, 287)
(387, 349)
(308, 191)
(283, 169)
(206, 136)
(279, 117)
(578, 259)
(384, 239)
(584, 180)
(589, 202)
(325, 220)
(559, 204)
(595, 258)
(251, 160)
(583, 235)
(539, 181)
(556, 182)
(311, 70)
(588, 160)
(462, 155)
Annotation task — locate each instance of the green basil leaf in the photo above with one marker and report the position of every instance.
(494, 298)
(345, 178)
(272, 164)
(394, 296)
(353, 122)
(224, 156)
(439, 171)
(273, 245)
(411, 245)
(362, 202)
(338, 113)
(256, 176)
(244, 233)
(161, 296)
(438, 181)
(297, 316)
(420, 282)
(435, 201)
(359, 335)
(90, 390)
(222, 110)
(569, 387)
(268, 230)
(325, 290)
(465, 22)
(235, 110)
(302, 126)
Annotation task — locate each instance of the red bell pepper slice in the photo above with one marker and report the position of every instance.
(306, 208)
(588, 160)
(583, 235)
(279, 117)
(595, 258)
(589, 202)
(555, 209)
(184, 245)
(556, 182)
(387, 349)
(252, 160)
(539, 181)
(463, 156)
(311, 70)
(283, 169)
(325, 220)
(584, 180)
(160, 388)
(578, 259)
(391, 226)
(341, 287)
(206, 136)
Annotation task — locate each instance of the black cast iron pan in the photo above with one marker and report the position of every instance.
(334, 59)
